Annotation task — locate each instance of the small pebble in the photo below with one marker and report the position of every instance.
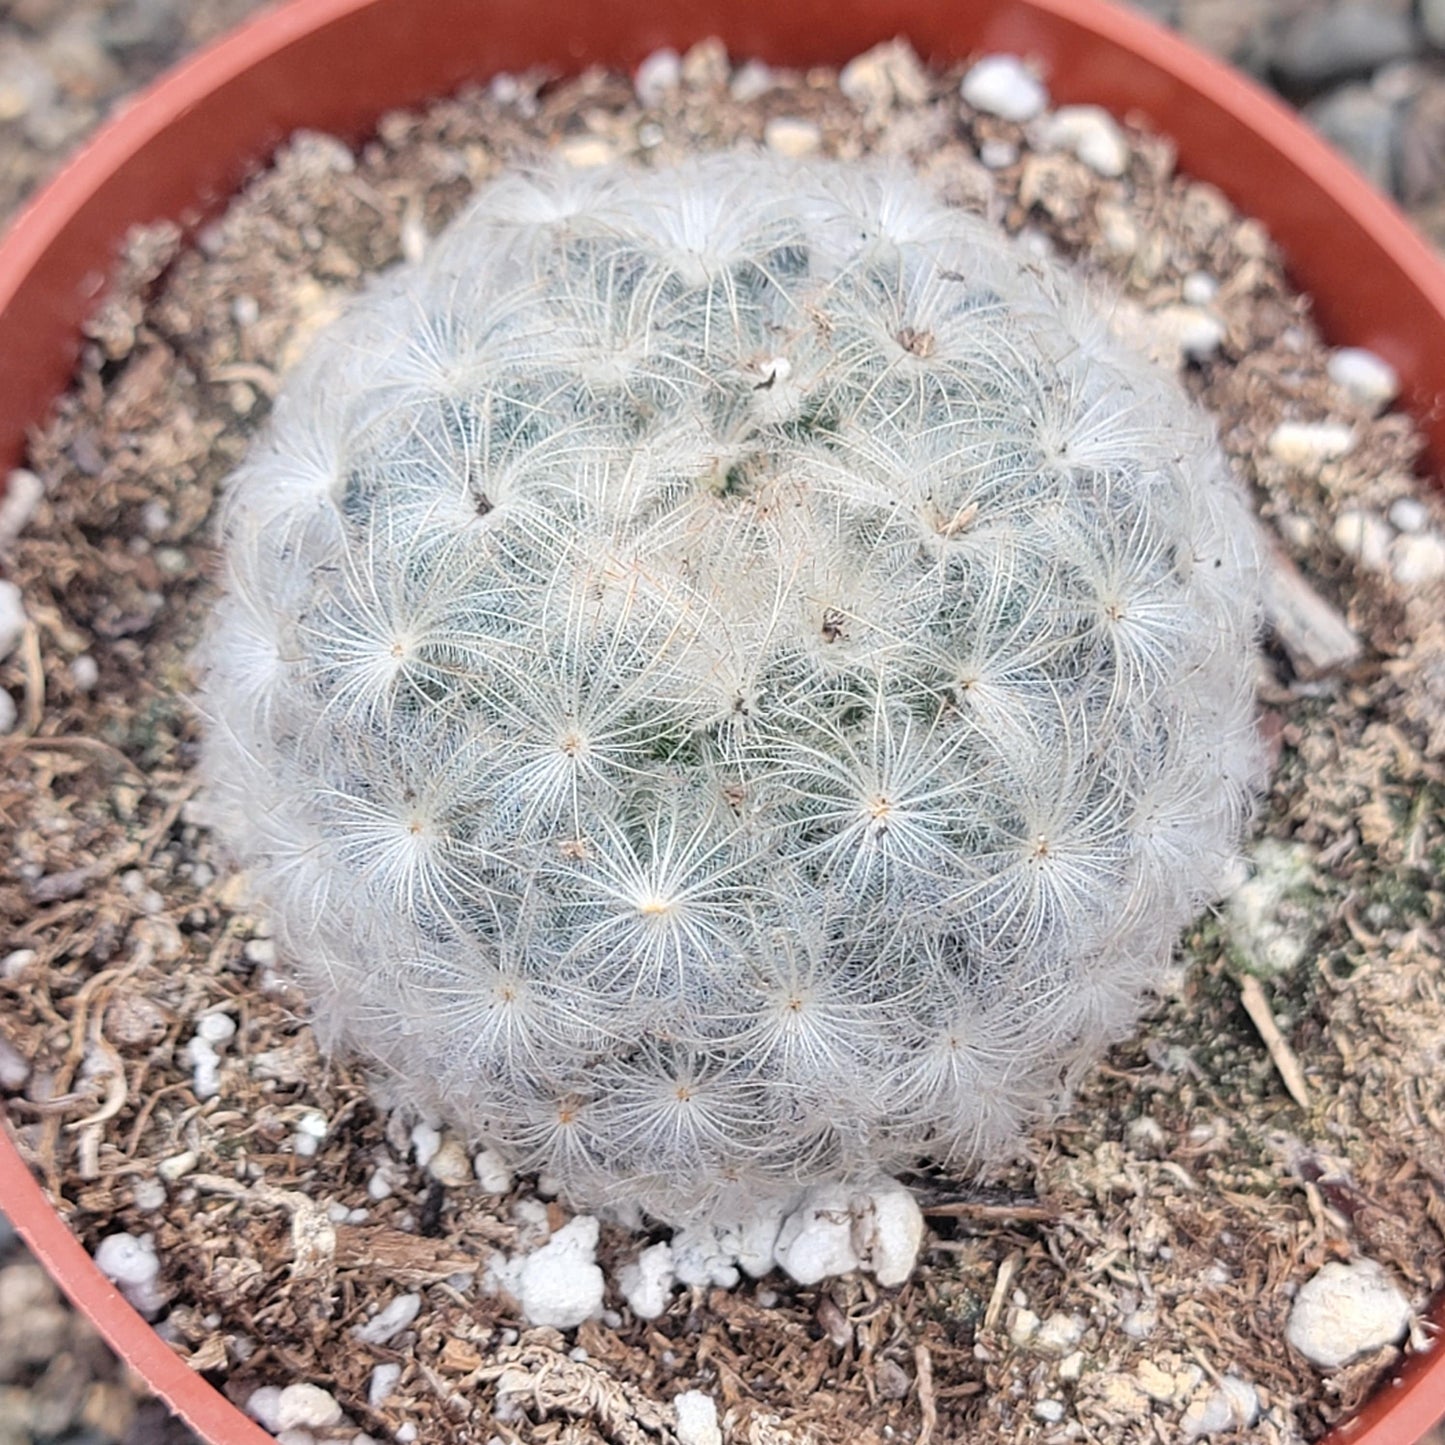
(1049, 1411)
(389, 1321)
(263, 1405)
(998, 155)
(216, 1028)
(1003, 85)
(492, 1172)
(1365, 537)
(307, 1407)
(1023, 1326)
(14, 1069)
(205, 1069)
(129, 1262)
(584, 152)
(84, 672)
(1058, 1334)
(646, 1283)
(697, 1422)
(384, 1379)
(1418, 560)
(888, 73)
(1309, 444)
(658, 77)
(1232, 1405)
(426, 1139)
(1345, 1311)
(177, 1166)
(1369, 379)
(1409, 514)
(1091, 134)
(311, 1129)
(1199, 288)
(23, 491)
(9, 713)
(148, 1195)
(451, 1165)
(791, 136)
(259, 951)
(752, 80)
(12, 618)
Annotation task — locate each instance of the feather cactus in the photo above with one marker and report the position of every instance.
(730, 677)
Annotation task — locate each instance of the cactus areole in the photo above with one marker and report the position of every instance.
(731, 677)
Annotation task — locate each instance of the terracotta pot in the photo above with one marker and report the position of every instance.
(335, 65)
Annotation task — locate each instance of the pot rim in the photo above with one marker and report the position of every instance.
(338, 64)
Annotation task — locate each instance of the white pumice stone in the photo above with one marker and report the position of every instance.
(1364, 536)
(1409, 514)
(426, 1139)
(451, 1165)
(384, 1379)
(816, 1239)
(22, 494)
(1307, 445)
(792, 136)
(647, 1282)
(560, 1285)
(390, 1320)
(1091, 134)
(12, 618)
(1417, 560)
(131, 1264)
(492, 1172)
(216, 1028)
(1345, 1311)
(1004, 86)
(1233, 1404)
(1368, 378)
(304, 1406)
(888, 1233)
(205, 1068)
(1199, 288)
(697, 1422)
(658, 76)
(263, 1405)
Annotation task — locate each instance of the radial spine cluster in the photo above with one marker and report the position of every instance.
(730, 678)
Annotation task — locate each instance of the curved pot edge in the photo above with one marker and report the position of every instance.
(80, 216)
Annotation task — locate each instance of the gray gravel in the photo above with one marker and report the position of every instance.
(1369, 73)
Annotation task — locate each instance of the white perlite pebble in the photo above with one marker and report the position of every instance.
(646, 1284)
(1091, 134)
(9, 713)
(560, 1284)
(816, 1240)
(1309, 444)
(384, 1379)
(889, 1233)
(129, 1262)
(1408, 514)
(1345, 1311)
(1368, 378)
(23, 491)
(14, 1068)
(451, 1165)
(1232, 1405)
(1417, 560)
(889, 72)
(492, 1173)
(206, 1069)
(426, 1139)
(263, 1405)
(148, 1195)
(12, 618)
(1365, 537)
(1049, 1411)
(307, 1407)
(791, 136)
(1199, 288)
(697, 1419)
(389, 1321)
(658, 76)
(1003, 85)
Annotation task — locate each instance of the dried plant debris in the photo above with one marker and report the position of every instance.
(327, 1261)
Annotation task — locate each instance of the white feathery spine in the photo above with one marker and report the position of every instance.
(730, 677)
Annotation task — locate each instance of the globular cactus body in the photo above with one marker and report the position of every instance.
(730, 677)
